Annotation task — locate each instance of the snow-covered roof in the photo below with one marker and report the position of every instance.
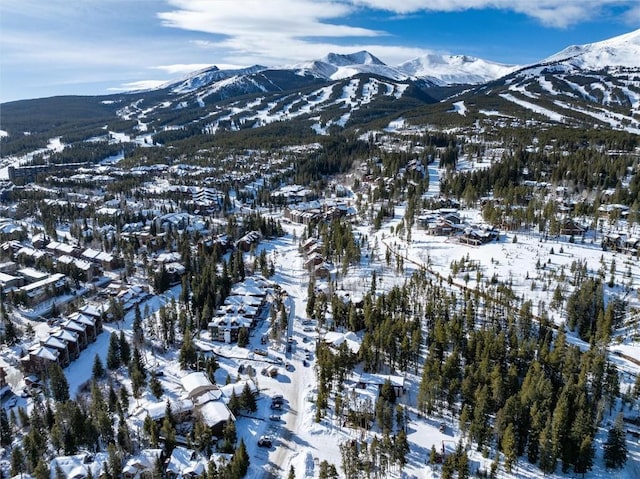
(78, 465)
(196, 384)
(144, 460)
(169, 257)
(335, 339)
(81, 318)
(185, 461)
(215, 412)
(235, 299)
(91, 310)
(230, 321)
(43, 352)
(156, 411)
(380, 379)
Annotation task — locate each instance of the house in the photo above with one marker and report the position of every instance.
(227, 328)
(70, 339)
(142, 465)
(79, 465)
(612, 241)
(60, 249)
(185, 463)
(38, 359)
(237, 388)
(216, 415)
(181, 410)
(89, 322)
(631, 245)
(48, 287)
(53, 343)
(247, 241)
(197, 384)
(336, 339)
(106, 261)
(367, 379)
(78, 328)
(308, 244)
(322, 271)
(8, 281)
(477, 237)
(313, 259)
(570, 228)
(206, 398)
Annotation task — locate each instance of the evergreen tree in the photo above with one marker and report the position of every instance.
(125, 349)
(98, 368)
(247, 399)
(11, 333)
(155, 386)
(42, 470)
(18, 465)
(615, 449)
(234, 403)
(168, 431)
(292, 473)
(113, 353)
(6, 435)
(243, 337)
(240, 461)
(584, 462)
(188, 353)
(58, 383)
(509, 449)
(138, 332)
(114, 461)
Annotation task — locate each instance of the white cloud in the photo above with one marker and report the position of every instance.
(553, 13)
(182, 68)
(139, 85)
(282, 18)
(277, 31)
(632, 17)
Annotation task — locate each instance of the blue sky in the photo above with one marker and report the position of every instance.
(58, 47)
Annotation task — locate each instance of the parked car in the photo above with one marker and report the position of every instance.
(277, 399)
(265, 441)
(274, 417)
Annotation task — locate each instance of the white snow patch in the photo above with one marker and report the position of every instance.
(552, 115)
(460, 108)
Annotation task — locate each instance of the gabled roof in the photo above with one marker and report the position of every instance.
(196, 384)
(215, 412)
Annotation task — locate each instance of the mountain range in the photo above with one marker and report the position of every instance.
(592, 85)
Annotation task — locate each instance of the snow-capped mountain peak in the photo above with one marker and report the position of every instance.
(204, 77)
(620, 51)
(454, 69)
(359, 58)
(337, 66)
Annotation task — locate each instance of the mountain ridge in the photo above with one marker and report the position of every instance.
(575, 87)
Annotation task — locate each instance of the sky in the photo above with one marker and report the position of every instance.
(96, 47)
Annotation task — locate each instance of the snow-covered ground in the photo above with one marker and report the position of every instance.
(299, 440)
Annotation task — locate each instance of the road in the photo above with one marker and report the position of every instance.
(286, 442)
